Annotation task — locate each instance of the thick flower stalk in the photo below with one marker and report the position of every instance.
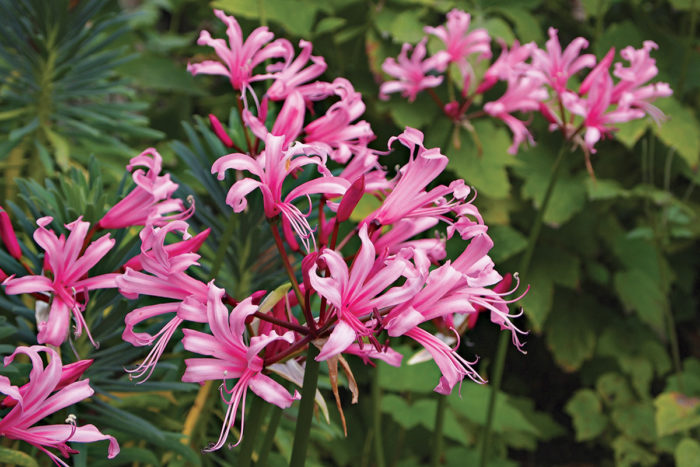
(67, 262)
(50, 388)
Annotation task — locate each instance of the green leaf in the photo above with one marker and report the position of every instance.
(367, 205)
(526, 25)
(407, 26)
(295, 16)
(499, 28)
(569, 195)
(416, 114)
(604, 189)
(680, 131)
(586, 411)
(329, 24)
(162, 74)
(629, 453)
(420, 378)
(690, 376)
(486, 171)
(636, 421)
(687, 453)
(12, 457)
(422, 412)
(619, 35)
(570, 332)
(549, 267)
(630, 132)
(676, 412)
(614, 389)
(506, 242)
(640, 293)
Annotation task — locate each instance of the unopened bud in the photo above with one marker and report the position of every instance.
(350, 199)
(7, 234)
(219, 131)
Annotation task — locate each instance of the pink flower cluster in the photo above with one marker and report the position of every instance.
(343, 300)
(537, 80)
(50, 388)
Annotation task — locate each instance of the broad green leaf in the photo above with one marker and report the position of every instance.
(629, 453)
(499, 28)
(506, 242)
(619, 35)
(680, 131)
(416, 114)
(549, 266)
(407, 26)
(630, 132)
(422, 412)
(640, 293)
(420, 378)
(614, 389)
(636, 421)
(687, 453)
(526, 25)
(160, 73)
(61, 148)
(604, 189)
(570, 332)
(690, 376)
(676, 412)
(297, 17)
(587, 415)
(485, 170)
(19, 458)
(329, 24)
(569, 193)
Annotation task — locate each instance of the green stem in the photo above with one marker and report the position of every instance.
(502, 349)
(306, 409)
(254, 421)
(377, 419)
(437, 432)
(272, 425)
(223, 246)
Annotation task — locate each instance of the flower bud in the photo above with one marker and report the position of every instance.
(7, 235)
(350, 199)
(220, 132)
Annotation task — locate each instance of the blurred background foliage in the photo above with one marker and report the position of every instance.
(612, 374)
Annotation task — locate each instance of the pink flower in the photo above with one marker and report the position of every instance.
(412, 73)
(271, 168)
(7, 235)
(45, 393)
(230, 357)
(69, 271)
(239, 58)
(290, 77)
(355, 293)
(460, 44)
(408, 197)
(596, 110)
(150, 200)
(289, 122)
(556, 67)
(169, 280)
(631, 91)
(335, 129)
(524, 94)
(509, 64)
